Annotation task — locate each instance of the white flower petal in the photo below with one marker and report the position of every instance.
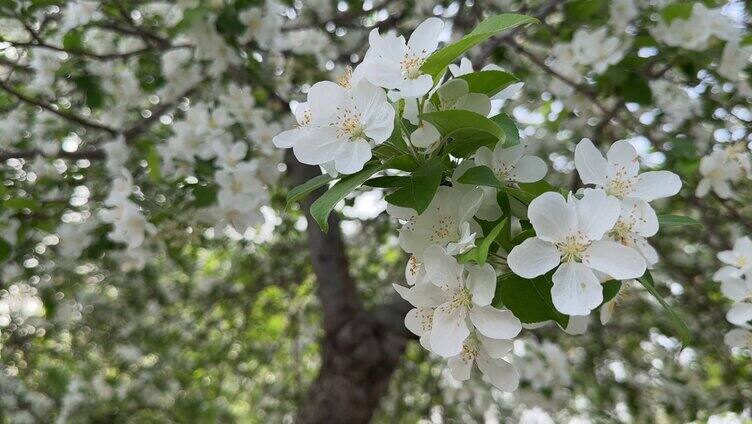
(499, 372)
(576, 290)
(533, 257)
(352, 156)
(496, 348)
(738, 337)
(442, 269)
(552, 218)
(481, 280)
(618, 261)
(421, 295)
(590, 163)
(425, 38)
(655, 185)
(425, 136)
(460, 367)
(740, 314)
(736, 289)
(597, 213)
(449, 330)
(322, 146)
(529, 169)
(624, 156)
(495, 323)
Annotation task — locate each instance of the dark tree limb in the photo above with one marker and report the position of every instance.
(361, 348)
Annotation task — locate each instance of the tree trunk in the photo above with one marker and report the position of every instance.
(361, 349)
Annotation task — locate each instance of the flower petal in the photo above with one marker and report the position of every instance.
(421, 295)
(460, 367)
(529, 169)
(740, 314)
(618, 261)
(499, 372)
(496, 348)
(495, 323)
(597, 213)
(738, 337)
(533, 257)
(623, 155)
(321, 147)
(449, 330)
(352, 156)
(552, 218)
(590, 163)
(441, 269)
(576, 290)
(425, 38)
(655, 185)
(481, 280)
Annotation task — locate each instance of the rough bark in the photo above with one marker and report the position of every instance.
(361, 348)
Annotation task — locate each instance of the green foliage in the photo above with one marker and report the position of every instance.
(303, 190)
(679, 325)
(439, 60)
(529, 300)
(488, 82)
(666, 221)
(512, 133)
(321, 208)
(420, 187)
(464, 131)
(677, 11)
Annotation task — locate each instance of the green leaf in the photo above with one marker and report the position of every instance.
(488, 82)
(582, 10)
(439, 60)
(681, 327)
(420, 188)
(523, 196)
(610, 290)
(321, 208)
(480, 176)
(522, 236)
(190, 17)
(747, 40)
(20, 203)
(485, 244)
(387, 181)
(300, 192)
(154, 163)
(5, 250)
(73, 40)
(465, 131)
(635, 89)
(511, 131)
(402, 163)
(529, 300)
(677, 221)
(677, 11)
(204, 196)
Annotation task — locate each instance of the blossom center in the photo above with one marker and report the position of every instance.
(622, 232)
(442, 229)
(470, 349)
(619, 187)
(351, 125)
(411, 64)
(460, 299)
(572, 248)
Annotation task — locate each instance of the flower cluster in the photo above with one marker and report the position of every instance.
(696, 31)
(736, 284)
(721, 168)
(597, 237)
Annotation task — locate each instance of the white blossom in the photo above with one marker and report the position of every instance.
(569, 232)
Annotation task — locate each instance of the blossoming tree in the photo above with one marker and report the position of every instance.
(152, 218)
